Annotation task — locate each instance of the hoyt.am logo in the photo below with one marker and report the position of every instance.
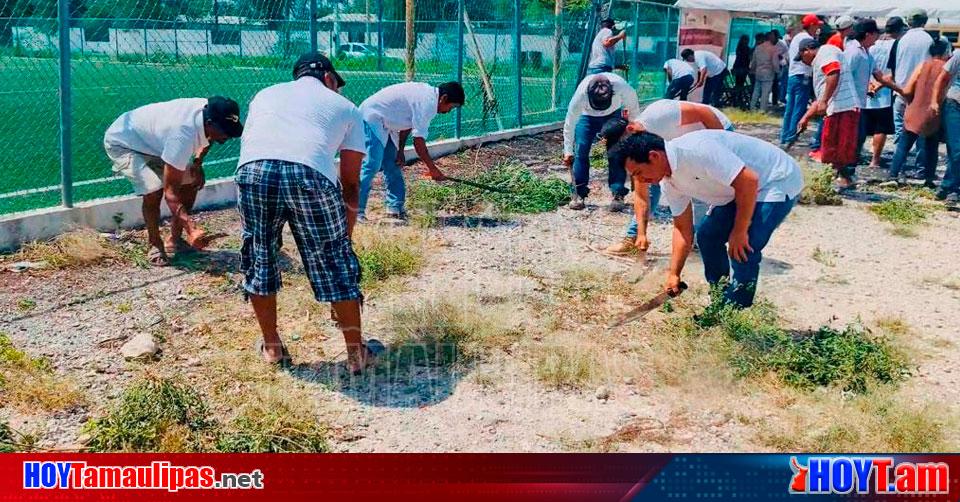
(876, 475)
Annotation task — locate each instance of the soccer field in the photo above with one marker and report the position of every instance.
(102, 90)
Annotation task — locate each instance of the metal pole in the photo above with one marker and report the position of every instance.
(666, 47)
(66, 167)
(635, 62)
(379, 35)
(460, 49)
(313, 26)
(176, 43)
(517, 53)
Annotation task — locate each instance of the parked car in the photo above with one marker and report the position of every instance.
(356, 50)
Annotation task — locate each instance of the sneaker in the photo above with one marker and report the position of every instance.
(616, 205)
(952, 198)
(623, 247)
(943, 194)
(577, 203)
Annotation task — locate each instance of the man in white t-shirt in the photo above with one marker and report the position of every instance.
(946, 103)
(863, 69)
(597, 99)
(836, 98)
(876, 119)
(711, 72)
(782, 47)
(160, 148)
(287, 173)
(912, 50)
(750, 184)
(680, 78)
(604, 48)
(391, 115)
(798, 81)
(668, 119)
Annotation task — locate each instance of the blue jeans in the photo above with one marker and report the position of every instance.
(818, 137)
(712, 87)
(782, 87)
(712, 237)
(381, 157)
(679, 88)
(927, 156)
(795, 105)
(599, 69)
(951, 116)
(585, 135)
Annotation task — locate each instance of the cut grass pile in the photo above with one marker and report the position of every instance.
(384, 254)
(528, 192)
(740, 117)
(29, 383)
(80, 248)
(904, 213)
(818, 186)
(160, 414)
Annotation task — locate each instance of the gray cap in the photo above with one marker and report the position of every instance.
(805, 44)
(916, 13)
(843, 22)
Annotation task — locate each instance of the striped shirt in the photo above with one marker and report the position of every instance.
(829, 60)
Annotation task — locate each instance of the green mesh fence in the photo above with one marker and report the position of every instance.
(127, 53)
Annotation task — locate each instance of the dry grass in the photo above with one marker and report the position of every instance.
(386, 253)
(28, 383)
(950, 282)
(827, 258)
(741, 117)
(72, 249)
(566, 363)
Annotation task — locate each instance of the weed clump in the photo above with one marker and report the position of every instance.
(904, 213)
(563, 366)
(29, 382)
(154, 414)
(275, 430)
(383, 255)
(818, 187)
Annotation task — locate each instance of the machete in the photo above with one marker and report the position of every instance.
(647, 306)
(481, 186)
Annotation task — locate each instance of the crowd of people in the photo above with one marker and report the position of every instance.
(727, 192)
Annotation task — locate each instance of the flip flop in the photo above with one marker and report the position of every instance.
(374, 348)
(156, 258)
(285, 360)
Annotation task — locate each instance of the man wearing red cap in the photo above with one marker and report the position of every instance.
(798, 83)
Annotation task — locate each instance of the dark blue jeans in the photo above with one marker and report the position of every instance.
(712, 237)
(679, 88)
(712, 87)
(951, 118)
(798, 97)
(926, 155)
(585, 135)
(599, 69)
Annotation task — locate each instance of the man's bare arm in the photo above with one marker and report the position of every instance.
(420, 145)
(745, 187)
(641, 210)
(172, 179)
(682, 243)
(350, 185)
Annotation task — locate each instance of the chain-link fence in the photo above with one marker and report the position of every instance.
(65, 82)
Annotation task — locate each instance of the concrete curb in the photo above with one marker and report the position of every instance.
(103, 214)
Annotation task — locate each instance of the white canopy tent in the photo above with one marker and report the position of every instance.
(939, 10)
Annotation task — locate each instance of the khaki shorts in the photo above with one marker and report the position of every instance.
(145, 172)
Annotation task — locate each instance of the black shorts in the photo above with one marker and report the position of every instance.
(877, 120)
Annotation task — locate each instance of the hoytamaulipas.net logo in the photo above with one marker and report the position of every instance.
(873, 475)
(67, 475)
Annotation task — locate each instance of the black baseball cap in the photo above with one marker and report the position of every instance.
(600, 93)
(865, 26)
(315, 64)
(895, 25)
(224, 114)
(805, 44)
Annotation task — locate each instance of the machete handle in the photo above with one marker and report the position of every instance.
(683, 287)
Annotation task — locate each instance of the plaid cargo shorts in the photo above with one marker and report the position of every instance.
(274, 192)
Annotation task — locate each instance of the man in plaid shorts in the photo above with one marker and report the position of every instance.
(287, 174)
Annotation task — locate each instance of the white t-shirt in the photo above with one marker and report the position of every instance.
(798, 67)
(953, 69)
(395, 108)
(623, 97)
(679, 68)
(171, 130)
(663, 117)
(829, 59)
(782, 50)
(599, 55)
(883, 97)
(861, 65)
(705, 163)
(710, 61)
(912, 51)
(303, 122)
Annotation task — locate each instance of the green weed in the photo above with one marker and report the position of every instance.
(903, 213)
(26, 304)
(274, 430)
(387, 254)
(528, 193)
(818, 189)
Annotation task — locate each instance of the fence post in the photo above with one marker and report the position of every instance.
(313, 26)
(379, 35)
(176, 43)
(146, 52)
(66, 167)
(635, 61)
(517, 54)
(460, 49)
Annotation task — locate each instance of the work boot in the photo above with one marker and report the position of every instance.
(625, 246)
(616, 205)
(577, 203)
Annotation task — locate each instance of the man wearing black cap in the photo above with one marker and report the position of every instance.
(877, 118)
(597, 99)
(287, 174)
(160, 148)
(604, 48)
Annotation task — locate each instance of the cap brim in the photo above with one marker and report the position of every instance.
(229, 129)
(340, 81)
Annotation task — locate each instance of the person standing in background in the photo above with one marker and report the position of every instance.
(877, 118)
(798, 83)
(764, 64)
(780, 79)
(741, 62)
(946, 103)
(911, 51)
(603, 51)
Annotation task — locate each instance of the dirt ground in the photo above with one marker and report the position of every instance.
(825, 266)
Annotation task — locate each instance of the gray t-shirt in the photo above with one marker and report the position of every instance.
(953, 68)
(601, 56)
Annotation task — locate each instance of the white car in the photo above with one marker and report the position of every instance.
(356, 50)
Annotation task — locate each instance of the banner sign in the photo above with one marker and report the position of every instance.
(505, 477)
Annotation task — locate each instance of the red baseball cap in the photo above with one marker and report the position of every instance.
(811, 20)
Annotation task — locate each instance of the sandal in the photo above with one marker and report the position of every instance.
(157, 257)
(285, 360)
(372, 349)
